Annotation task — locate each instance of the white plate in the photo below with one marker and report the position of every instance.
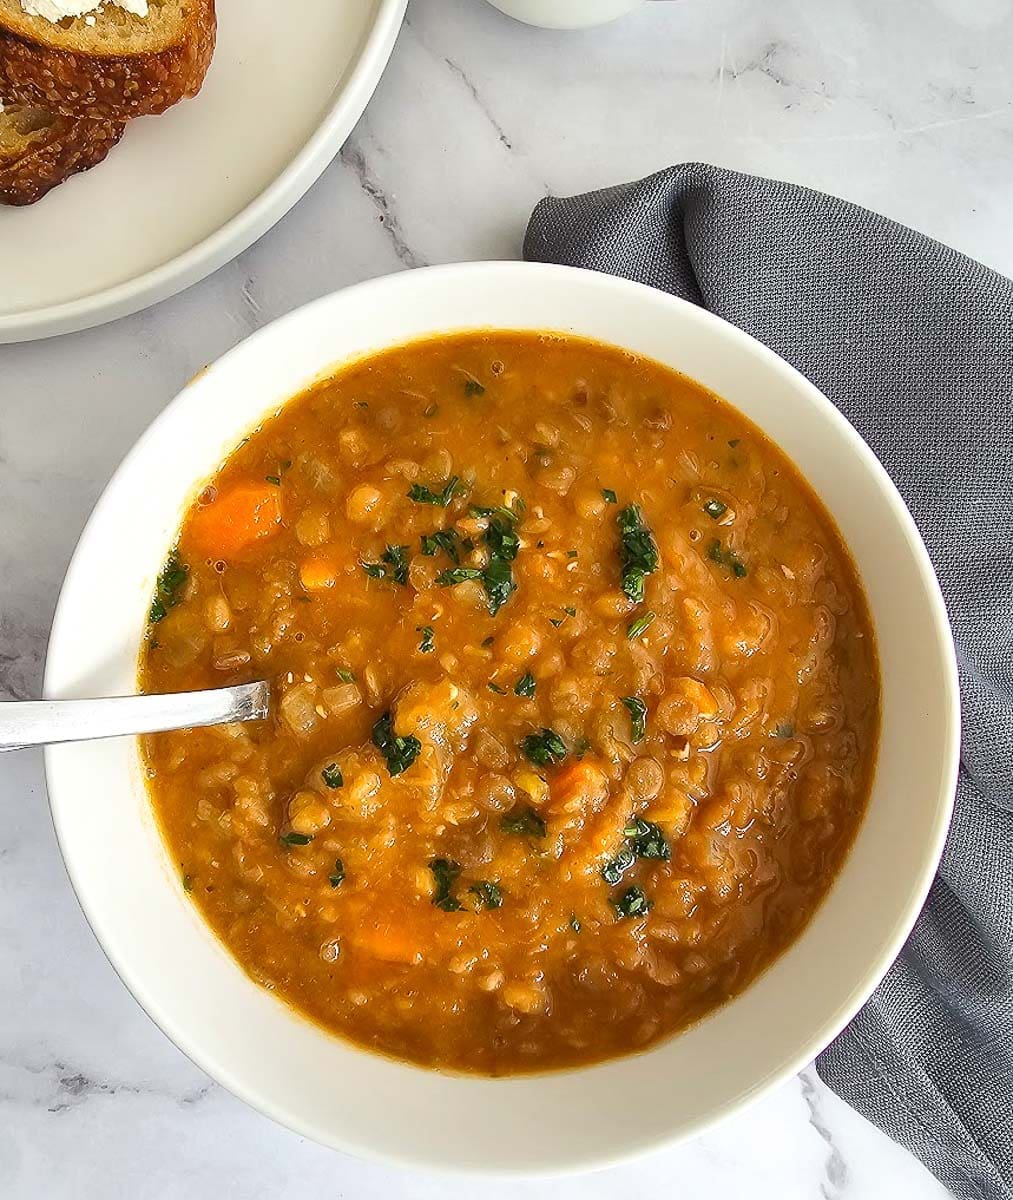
(186, 192)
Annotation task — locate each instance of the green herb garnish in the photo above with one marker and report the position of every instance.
(426, 495)
(188, 884)
(609, 496)
(442, 539)
(638, 552)
(574, 924)
(640, 625)
(445, 872)
(497, 577)
(457, 575)
(337, 876)
(168, 586)
(332, 777)
(345, 675)
(715, 509)
(612, 872)
(473, 388)
(495, 687)
(647, 840)
(785, 730)
(638, 717)
(726, 558)
(544, 749)
(632, 903)
(428, 642)
(393, 565)
(275, 479)
(524, 821)
(400, 752)
(525, 686)
(490, 895)
(295, 839)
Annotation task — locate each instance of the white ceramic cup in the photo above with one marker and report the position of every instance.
(566, 14)
(322, 1086)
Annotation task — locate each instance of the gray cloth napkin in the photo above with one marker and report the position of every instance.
(914, 343)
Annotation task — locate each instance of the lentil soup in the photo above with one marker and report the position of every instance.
(575, 702)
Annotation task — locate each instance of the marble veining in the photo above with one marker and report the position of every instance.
(906, 107)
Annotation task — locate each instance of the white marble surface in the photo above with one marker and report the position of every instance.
(905, 106)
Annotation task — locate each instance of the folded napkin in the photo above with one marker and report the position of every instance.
(914, 343)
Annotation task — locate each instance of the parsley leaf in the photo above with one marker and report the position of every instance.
(726, 558)
(168, 586)
(426, 495)
(632, 903)
(332, 777)
(640, 625)
(647, 840)
(428, 642)
(337, 876)
(400, 752)
(490, 895)
(638, 717)
(609, 496)
(295, 839)
(393, 565)
(638, 552)
(524, 821)
(442, 539)
(445, 872)
(473, 388)
(525, 686)
(715, 509)
(544, 749)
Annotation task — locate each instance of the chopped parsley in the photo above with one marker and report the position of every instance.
(715, 509)
(632, 903)
(426, 495)
(337, 876)
(638, 717)
(525, 686)
(638, 552)
(345, 675)
(544, 749)
(188, 884)
(785, 730)
(523, 821)
(647, 840)
(168, 586)
(443, 539)
(400, 752)
(428, 642)
(495, 687)
(640, 625)
(473, 388)
(295, 839)
(489, 894)
(609, 496)
(393, 565)
(726, 558)
(581, 748)
(574, 923)
(332, 777)
(275, 479)
(613, 871)
(445, 872)
(497, 576)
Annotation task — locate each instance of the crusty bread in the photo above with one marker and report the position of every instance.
(119, 66)
(40, 149)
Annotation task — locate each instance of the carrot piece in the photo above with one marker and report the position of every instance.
(388, 942)
(318, 574)
(577, 784)
(236, 519)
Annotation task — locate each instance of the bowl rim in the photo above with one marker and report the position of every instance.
(196, 1047)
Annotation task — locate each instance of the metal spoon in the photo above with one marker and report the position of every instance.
(26, 723)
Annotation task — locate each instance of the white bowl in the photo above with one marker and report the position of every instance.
(368, 1105)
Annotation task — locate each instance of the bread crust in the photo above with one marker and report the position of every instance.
(108, 87)
(69, 147)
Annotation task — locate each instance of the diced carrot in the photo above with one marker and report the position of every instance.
(388, 942)
(318, 574)
(578, 784)
(236, 519)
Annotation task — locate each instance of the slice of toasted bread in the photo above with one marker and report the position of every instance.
(40, 149)
(118, 66)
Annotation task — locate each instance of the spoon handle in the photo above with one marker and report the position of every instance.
(45, 722)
